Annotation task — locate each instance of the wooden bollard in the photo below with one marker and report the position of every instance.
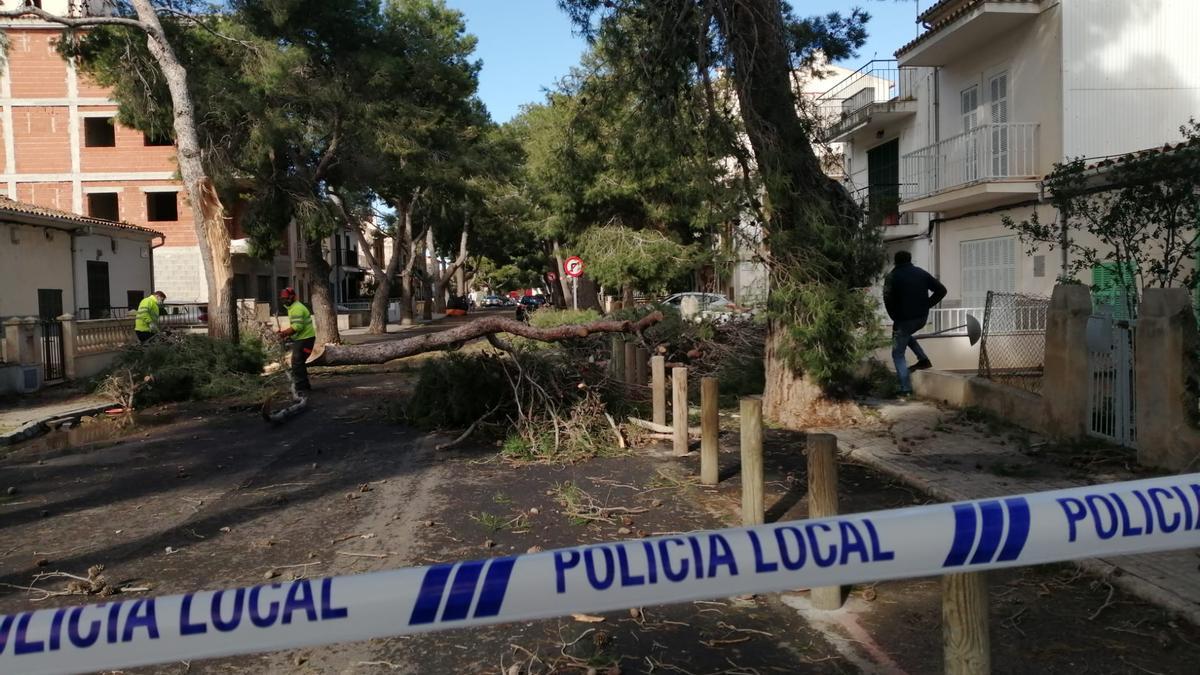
(631, 364)
(823, 501)
(679, 410)
(710, 429)
(617, 358)
(642, 359)
(658, 386)
(752, 461)
(966, 644)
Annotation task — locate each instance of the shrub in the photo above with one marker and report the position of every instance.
(193, 367)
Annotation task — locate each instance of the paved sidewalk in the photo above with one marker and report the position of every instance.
(912, 443)
(28, 419)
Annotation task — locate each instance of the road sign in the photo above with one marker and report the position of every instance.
(573, 266)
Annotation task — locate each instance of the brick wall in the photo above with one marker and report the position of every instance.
(54, 195)
(129, 154)
(41, 139)
(35, 68)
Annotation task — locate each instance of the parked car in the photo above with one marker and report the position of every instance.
(707, 302)
(529, 304)
(493, 301)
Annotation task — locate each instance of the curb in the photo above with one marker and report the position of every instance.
(42, 425)
(1098, 567)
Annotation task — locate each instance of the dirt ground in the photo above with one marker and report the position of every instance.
(199, 498)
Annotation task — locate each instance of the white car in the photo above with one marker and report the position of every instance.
(707, 302)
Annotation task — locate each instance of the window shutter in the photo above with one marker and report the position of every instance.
(987, 265)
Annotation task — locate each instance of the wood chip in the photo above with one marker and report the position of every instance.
(587, 618)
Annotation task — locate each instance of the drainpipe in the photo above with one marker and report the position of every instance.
(935, 233)
(154, 246)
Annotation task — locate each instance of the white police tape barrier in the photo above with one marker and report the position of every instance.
(1135, 517)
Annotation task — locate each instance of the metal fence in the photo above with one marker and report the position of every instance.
(1012, 349)
(1112, 401)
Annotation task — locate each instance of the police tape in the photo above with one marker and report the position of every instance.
(1116, 519)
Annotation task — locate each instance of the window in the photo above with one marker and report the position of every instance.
(104, 205)
(162, 206)
(883, 180)
(987, 265)
(99, 132)
(50, 303)
(133, 299)
(157, 139)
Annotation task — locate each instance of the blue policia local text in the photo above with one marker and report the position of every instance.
(708, 555)
(1157, 509)
(224, 611)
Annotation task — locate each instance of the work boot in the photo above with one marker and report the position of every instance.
(923, 364)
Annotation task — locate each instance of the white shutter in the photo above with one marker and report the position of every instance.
(987, 265)
(998, 87)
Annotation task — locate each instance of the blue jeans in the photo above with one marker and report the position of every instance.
(902, 339)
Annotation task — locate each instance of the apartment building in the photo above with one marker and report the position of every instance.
(961, 128)
(64, 149)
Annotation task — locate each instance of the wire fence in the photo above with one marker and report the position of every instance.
(1012, 348)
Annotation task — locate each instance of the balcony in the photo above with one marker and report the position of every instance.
(956, 28)
(990, 165)
(876, 94)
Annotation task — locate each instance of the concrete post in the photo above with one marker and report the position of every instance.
(1065, 380)
(1166, 375)
(28, 350)
(12, 341)
(69, 346)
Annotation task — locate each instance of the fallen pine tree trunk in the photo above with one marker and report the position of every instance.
(382, 352)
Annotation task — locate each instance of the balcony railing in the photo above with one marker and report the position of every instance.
(985, 153)
(848, 103)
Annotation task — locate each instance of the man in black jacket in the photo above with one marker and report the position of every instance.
(908, 294)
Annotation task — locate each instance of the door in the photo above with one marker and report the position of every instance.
(99, 302)
(883, 183)
(998, 97)
(969, 106)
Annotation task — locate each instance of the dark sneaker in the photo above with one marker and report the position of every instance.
(923, 364)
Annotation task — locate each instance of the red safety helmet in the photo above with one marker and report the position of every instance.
(288, 293)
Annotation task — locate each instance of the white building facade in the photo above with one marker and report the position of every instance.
(981, 106)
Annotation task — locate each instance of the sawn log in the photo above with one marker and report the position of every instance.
(382, 352)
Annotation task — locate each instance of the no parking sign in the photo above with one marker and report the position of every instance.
(573, 266)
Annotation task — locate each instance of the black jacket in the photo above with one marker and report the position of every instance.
(907, 292)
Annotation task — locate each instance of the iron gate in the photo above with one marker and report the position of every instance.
(53, 353)
(1112, 407)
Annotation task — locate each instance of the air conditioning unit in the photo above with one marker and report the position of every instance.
(27, 379)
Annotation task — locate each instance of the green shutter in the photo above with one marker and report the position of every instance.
(1112, 287)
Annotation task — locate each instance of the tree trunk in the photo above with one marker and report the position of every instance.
(382, 352)
(323, 309)
(806, 205)
(796, 402)
(430, 262)
(406, 242)
(564, 282)
(442, 280)
(589, 294)
(627, 297)
(208, 214)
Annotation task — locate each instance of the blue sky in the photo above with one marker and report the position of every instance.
(527, 45)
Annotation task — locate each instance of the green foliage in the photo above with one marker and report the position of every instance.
(195, 367)
(649, 260)
(1139, 213)
(828, 329)
(455, 390)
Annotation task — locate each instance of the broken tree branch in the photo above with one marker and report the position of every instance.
(382, 352)
(661, 428)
